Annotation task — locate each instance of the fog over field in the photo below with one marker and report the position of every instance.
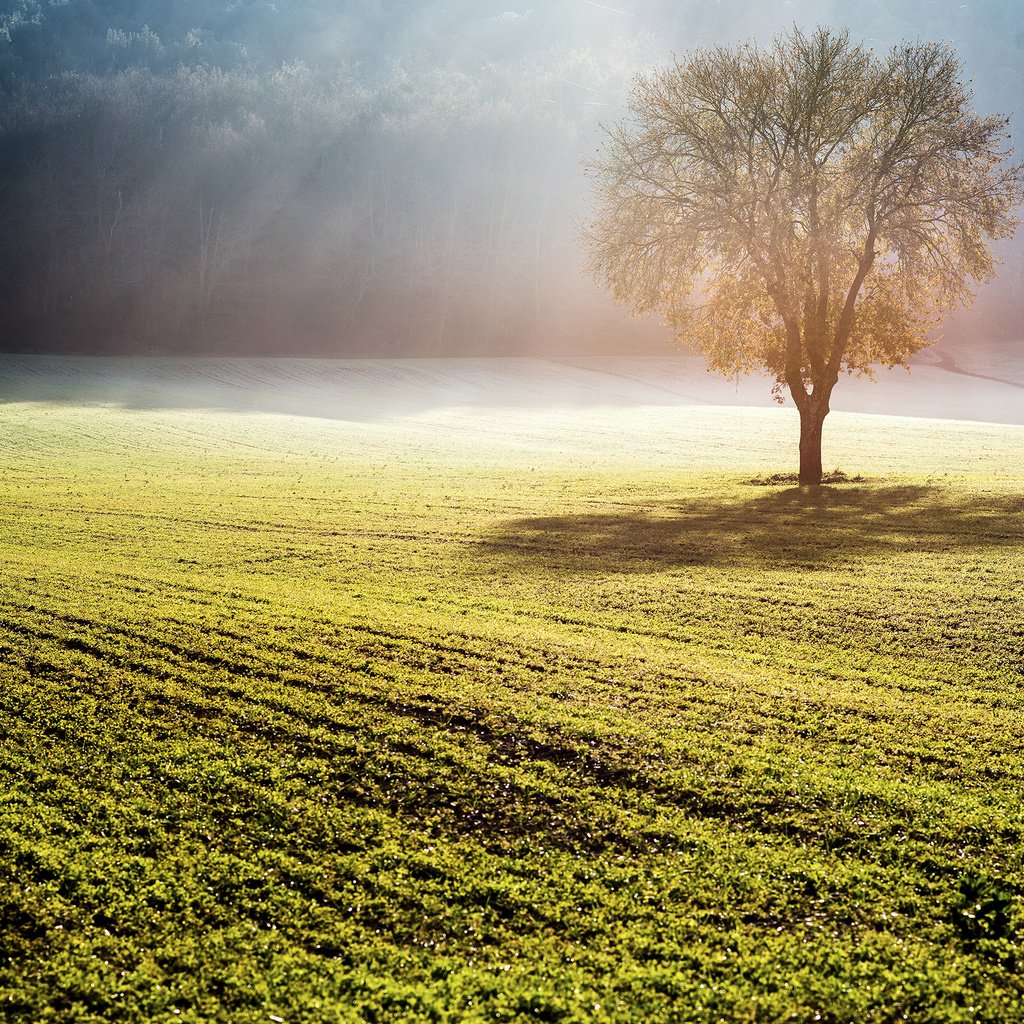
(584, 412)
(937, 386)
(359, 178)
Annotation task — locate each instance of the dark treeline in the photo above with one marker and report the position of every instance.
(343, 178)
(207, 208)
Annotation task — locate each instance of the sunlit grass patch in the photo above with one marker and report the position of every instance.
(370, 726)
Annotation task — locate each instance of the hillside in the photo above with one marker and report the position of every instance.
(510, 691)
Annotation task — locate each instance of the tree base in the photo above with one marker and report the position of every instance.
(837, 476)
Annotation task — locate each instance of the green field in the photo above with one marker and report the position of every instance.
(508, 715)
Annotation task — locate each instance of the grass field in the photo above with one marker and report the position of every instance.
(535, 713)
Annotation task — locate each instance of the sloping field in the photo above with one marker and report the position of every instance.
(976, 383)
(498, 692)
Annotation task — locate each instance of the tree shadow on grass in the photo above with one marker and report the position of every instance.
(806, 527)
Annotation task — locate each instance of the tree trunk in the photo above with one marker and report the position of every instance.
(812, 418)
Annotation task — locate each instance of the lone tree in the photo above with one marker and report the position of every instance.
(811, 208)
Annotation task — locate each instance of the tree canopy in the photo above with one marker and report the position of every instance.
(810, 208)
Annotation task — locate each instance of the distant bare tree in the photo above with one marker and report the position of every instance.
(811, 208)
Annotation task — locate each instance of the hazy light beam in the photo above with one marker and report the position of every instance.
(569, 81)
(614, 10)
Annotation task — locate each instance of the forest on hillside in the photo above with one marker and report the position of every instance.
(355, 177)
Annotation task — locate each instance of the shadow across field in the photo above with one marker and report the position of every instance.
(809, 527)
